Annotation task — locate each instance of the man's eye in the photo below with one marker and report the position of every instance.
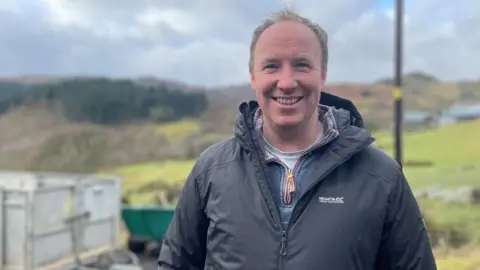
(302, 65)
(270, 67)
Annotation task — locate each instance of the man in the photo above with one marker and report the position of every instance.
(299, 186)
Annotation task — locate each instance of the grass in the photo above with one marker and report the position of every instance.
(447, 177)
(170, 171)
(457, 224)
(176, 132)
(454, 152)
(141, 181)
(462, 259)
(449, 146)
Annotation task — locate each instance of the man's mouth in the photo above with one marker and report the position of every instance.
(287, 100)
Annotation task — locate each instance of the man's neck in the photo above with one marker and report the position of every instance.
(293, 140)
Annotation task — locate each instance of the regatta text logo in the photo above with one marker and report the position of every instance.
(338, 200)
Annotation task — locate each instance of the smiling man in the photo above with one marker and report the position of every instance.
(299, 185)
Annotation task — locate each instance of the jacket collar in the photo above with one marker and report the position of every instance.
(346, 113)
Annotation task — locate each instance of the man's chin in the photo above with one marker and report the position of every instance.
(288, 124)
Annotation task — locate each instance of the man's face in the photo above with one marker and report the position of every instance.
(287, 74)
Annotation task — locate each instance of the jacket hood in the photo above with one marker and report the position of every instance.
(345, 109)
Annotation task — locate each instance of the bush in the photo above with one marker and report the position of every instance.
(451, 224)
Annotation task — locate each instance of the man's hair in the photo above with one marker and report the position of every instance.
(287, 14)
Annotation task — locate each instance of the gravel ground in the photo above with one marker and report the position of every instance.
(148, 263)
(122, 257)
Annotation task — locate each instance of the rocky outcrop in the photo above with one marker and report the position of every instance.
(463, 195)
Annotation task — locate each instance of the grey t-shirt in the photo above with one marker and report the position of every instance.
(287, 158)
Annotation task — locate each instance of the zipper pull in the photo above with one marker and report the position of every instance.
(283, 249)
(291, 181)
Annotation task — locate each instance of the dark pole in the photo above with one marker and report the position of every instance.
(397, 92)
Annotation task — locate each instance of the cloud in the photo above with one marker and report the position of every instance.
(206, 42)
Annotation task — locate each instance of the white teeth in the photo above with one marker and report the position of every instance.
(287, 101)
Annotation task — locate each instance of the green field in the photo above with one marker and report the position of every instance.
(178, 131)
(464, 259)
(454, 152)
(141, 181)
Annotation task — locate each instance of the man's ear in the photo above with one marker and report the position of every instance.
(324, 77)
(252, 79)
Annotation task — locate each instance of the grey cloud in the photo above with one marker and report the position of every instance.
(334, 14)
(438, 39)
(38, 48)
(362, 49)
(444, 40)
(29, 47)
(206, 42)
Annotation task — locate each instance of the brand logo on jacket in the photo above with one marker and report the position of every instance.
(335, 200)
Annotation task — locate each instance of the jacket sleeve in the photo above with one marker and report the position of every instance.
(405, 244)
(183, 246)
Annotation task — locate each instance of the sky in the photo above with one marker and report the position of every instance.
(205, 42)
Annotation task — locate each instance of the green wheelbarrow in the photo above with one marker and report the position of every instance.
(146, 226)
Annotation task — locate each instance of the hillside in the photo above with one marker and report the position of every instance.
(82, 124)
(422, 92)
(39, 137)
(416, 84)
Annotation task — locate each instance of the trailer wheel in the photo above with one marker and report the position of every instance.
(153, 250)
(136, 245)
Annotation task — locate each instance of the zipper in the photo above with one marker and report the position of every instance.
(289, 187)
(283, 248)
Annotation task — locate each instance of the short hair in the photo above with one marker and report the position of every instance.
(287, 14)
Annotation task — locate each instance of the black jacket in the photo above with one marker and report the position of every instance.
(358, 212)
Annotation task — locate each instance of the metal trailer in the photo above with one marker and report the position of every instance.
(50, 220)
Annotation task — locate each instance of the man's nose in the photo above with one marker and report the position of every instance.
(287, 79)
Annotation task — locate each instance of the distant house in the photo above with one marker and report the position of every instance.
(414, 120)
(459, 112)
(418, 119)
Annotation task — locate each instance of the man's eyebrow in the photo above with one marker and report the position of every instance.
(274, 59)
(295, 58)
(302, 58)
(270, 59)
